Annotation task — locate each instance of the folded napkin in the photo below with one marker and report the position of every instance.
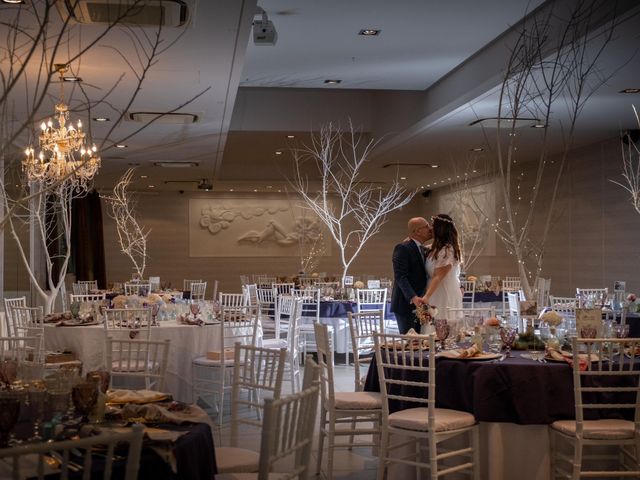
(560, 356)
(472, 351)
(135, 396)
(78, 322)
(160, 413)
(186, 320)
(56, 317)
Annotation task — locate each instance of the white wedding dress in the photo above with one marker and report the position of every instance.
(448, 293)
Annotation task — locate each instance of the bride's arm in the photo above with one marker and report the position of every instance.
(438, 274)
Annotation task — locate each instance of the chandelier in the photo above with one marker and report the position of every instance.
(64, 157)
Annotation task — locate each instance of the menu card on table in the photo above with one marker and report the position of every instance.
(589, 322)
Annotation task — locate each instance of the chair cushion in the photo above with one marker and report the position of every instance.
(358, 400)
(274, 343)
(250, 476)
(417, 419)
(606, 429)
(205, 362)
(236, 460)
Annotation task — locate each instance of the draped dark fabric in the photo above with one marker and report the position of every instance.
(87, 240)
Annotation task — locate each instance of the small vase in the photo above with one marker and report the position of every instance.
(426, 329)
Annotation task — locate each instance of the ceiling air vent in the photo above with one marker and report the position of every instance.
(168, 13)
(170, 164)
(163, 118)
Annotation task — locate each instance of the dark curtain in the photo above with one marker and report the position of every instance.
(87, 240)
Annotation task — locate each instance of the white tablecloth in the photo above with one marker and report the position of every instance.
(187, 341)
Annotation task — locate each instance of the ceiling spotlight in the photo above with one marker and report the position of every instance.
(144, 176)
(403, 178)
(538, 125)
(121, 145)
(278, 152)
(13, 2)
(255, 189)
(434, 166)
(269, 186)
(291, 136)
(630, 90)
(477, 149)
(71, 78)
(152, 186)
(369, 32)
(101, 119)
(332, 82)
(264, 31)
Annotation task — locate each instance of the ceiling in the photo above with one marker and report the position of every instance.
(416, 86)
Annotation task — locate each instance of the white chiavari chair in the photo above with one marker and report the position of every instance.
(9, 303)
(138, 359)
(198, 291)
(509, 284)
(141, 289)
(31, 460)
(565, 306)
(27, 321)
(186, 284)
(127, 323)
(24, 356)
(80, 288)
(259, 374)
(154, 283)
(468, 293)
(358, 409)
(601, 385)
(362, 326)
(92, 285)
(543, 286)
(428, 425)
(89, 298)
(235, 301)
(211, 372)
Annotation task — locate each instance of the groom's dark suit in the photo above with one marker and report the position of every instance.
(410, 280)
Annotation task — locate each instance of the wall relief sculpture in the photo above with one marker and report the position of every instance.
(248, 227)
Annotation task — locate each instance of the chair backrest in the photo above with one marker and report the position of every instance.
(91, 297)
(543, 285)
(258, 372)
(232, 300)
(186, 284)
(141, 289)
(238, 325)
(198, 290)
(91, 284)
(514, 303)
(601, 384)
(244, 280)
(565, 306)
(9, 303)
(145, 359)
(282, 288)
(287, 431)
(511, 283)
(129, 320)
(251, 292)
(592, 296)
(468, 293)
(306, 281)
(362, 326)
(27, 355)
(30, 460)
(80, 288)
(27, 321)
(310, 303)
(416, 357)
(154, 282)
(214, 297)
(264, 281)
(477, 313)
(368, 299)
(292, 308)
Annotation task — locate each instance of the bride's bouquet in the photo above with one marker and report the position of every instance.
(426, 314)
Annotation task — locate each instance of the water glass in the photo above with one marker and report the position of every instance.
(508, 337)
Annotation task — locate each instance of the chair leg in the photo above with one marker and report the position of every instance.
(323, 423)
(433, 458)
(382, 455)
(331, 438)
(552, 454)
(577, 460)
(475, 444)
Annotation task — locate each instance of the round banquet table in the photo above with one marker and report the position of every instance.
(514, 401)
(187, 341)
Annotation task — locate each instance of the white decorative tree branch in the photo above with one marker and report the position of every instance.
(631, 167)
(132, 237)
(352, 209)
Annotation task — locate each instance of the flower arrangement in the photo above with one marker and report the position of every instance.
(426, 313)
(119, 302)
(153, 298)
(472, 278)
(632, 303)
(359, 284)
(492, 322)
(552, 318)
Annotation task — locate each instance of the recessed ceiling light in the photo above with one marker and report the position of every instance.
(152, 186)
(121, 145)
(369, 32)
(144, 176)
(475, 171)
(332, 82)
(255, 189)
(630, 90)
(403, 178)
(291, 136)
(435, 166)
(278, 152)
(71, 78)
(101, 119)
(538, 125)
(231, 189)
(269, 186)
(477, 149)
(13, 2)
(279, 191)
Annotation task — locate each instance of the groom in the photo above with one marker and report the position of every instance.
(410, 274)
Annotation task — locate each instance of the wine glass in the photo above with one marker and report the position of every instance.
(195, 309)
(37, 397)
(508, 337)
(442, 331)
(9, 415)
(155, 309)
(84, 396)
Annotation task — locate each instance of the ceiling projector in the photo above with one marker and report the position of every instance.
(205, 184)
(264, 32)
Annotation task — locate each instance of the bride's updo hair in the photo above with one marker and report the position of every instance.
(444, 234)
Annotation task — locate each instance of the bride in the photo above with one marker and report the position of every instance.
(443, 266)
